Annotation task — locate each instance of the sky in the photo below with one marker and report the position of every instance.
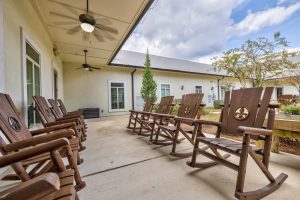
(198, 30)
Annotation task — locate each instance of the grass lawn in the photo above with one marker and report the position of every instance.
(211, 114)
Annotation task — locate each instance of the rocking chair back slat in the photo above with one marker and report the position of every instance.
(44, 109)
(165, 104)
(62, 107)
(11, 123)
(243, 109)
(148, 105)
(263, 108)
(190, 105)
(56, 109)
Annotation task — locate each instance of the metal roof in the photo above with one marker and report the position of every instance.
(137, 60)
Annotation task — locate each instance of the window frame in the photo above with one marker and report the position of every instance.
(26, 39)
(201, 89)
(160, 88)
(110, 109)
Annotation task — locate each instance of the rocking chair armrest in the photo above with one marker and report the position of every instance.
(13, 157)
(68, 120)
(206, 122)
(136, 111)
(38, 140)
(34, 189)
(52, 128)
(160, 115)
(254, 131)
(185, 119)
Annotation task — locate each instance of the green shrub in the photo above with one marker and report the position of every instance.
(292, 110)
(217, 104)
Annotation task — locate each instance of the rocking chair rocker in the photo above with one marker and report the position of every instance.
(243, 115)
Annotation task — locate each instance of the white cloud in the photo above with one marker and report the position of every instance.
(199, 30)
(174, 29)
(254, 22)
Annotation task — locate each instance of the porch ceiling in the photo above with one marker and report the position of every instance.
(122, 14)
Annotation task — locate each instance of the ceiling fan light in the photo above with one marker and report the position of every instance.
(86, 69)
(87, 27)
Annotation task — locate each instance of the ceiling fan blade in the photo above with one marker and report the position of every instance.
(95, 68)
(65, 23)
(63, 16)
(106, 35)
(107, 28)
(78, 68)
(103, 21)
(74, 30)
(90, 70)
(98, 37)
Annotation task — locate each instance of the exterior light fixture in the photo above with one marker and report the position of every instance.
(87, 27)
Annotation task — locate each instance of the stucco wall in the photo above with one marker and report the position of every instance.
(188, 81)
(90, 89)
(20, 14)
(287, 88)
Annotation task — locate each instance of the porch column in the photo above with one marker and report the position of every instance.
(1, 47)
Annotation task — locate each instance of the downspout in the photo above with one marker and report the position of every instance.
(132, 87)
(219, 86)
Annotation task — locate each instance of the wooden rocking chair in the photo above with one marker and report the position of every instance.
(243, 115)
(48, 186)
(190, 109)
(59, 115)
(148, 120)
(135, 116)
(17, 137)
(48, 119)
(65, 111)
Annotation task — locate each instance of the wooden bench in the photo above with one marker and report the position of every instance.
(284, 128)
(287, 99)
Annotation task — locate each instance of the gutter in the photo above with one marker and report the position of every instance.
(165, 70)
(132, 29)
(132, 87)
(219, 86)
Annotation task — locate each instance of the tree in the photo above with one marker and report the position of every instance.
(148, 85)
(257, 60)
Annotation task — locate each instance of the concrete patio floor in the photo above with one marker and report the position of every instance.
(121, 165)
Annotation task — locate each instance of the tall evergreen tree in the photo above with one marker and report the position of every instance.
(149, 85)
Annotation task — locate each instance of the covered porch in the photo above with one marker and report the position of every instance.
(120, 165)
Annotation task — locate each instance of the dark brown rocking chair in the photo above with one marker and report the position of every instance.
(48, 119)
(47, 186)
(190, 109)
(59, 115)
(65, 111)
(148, 120)
(19, 137)
(135, 116)
(243, 115)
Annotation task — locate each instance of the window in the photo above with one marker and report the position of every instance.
(117, 96)
(198, 89)
(223, 90)
(33, 82)
(165, 90)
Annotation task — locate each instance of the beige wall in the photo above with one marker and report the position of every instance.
(19, 14)
(90, 89)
